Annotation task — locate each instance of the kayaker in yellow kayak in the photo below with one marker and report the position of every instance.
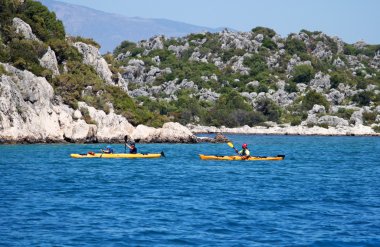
(132, 148)
(245, 151)
(108, 150)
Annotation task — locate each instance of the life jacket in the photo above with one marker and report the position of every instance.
(133, 150)
(245, 152)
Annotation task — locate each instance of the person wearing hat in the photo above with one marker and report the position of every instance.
(244, 152)
(132, 148)
(108, 150)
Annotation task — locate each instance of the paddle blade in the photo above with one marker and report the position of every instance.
(230, 144)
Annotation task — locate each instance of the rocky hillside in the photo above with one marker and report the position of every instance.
(55, 88)
(249, 78)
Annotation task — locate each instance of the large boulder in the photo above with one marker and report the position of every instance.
(322, 51)
(320, 82)
(239, 67)
(110, 127)
(49, 61)
(92, 57)
(170, 133)
(24, 29)
(335, 97)
(357, 117)
(332, 121)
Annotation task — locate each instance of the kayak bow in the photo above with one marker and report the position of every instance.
(236, 157)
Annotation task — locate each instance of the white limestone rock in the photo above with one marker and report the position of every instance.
(170, 133)
(332, 121)
(24, 29)
(110, 127)
(92, 57)
(49, 61)
(320, 82)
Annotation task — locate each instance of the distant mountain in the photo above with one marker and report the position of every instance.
(111, 29)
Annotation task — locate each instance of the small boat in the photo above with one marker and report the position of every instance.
(117, 156)
(236, 157)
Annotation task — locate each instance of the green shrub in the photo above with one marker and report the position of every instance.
(323, 125)
(344, 113)
(64, 51)
(2, 70)
(295, 46)
(124, 47)
(264, 31)
(336, 78)
(269, 109)
(368, 50)
(268, 43)
(295, 121)
(196, 36)
(256, 63)
(86, 116)
(25, 54)
(232, 110)
(310, 33)
(4, 53)
(212, 44)
(291, 87)
(350, 50)
(228, 54)
(303, 73)
(43, 22)
(369, 117)
(363, 98)
(88, 41)
(376, 128)
(313, 98)
(262, 88)
(362, 84)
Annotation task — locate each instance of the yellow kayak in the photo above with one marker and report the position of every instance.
(116, 156)
(236, 157)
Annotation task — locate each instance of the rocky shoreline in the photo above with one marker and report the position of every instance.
(176, 133)
(286, 129)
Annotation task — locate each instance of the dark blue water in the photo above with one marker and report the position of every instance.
(325, 193)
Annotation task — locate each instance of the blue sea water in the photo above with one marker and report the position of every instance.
(325, 193)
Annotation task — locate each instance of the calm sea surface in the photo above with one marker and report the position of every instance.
(325, 193)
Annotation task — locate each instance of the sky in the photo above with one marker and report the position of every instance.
(351, 20)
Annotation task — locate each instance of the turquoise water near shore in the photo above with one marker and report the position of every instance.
(325, 193)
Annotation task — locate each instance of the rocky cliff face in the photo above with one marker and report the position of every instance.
(260, 65)
(92, 57)
(30, 112)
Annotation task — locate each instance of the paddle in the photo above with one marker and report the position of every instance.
(232, 146)
(125, 143)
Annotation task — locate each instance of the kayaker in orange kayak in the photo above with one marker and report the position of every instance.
(245, 151)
